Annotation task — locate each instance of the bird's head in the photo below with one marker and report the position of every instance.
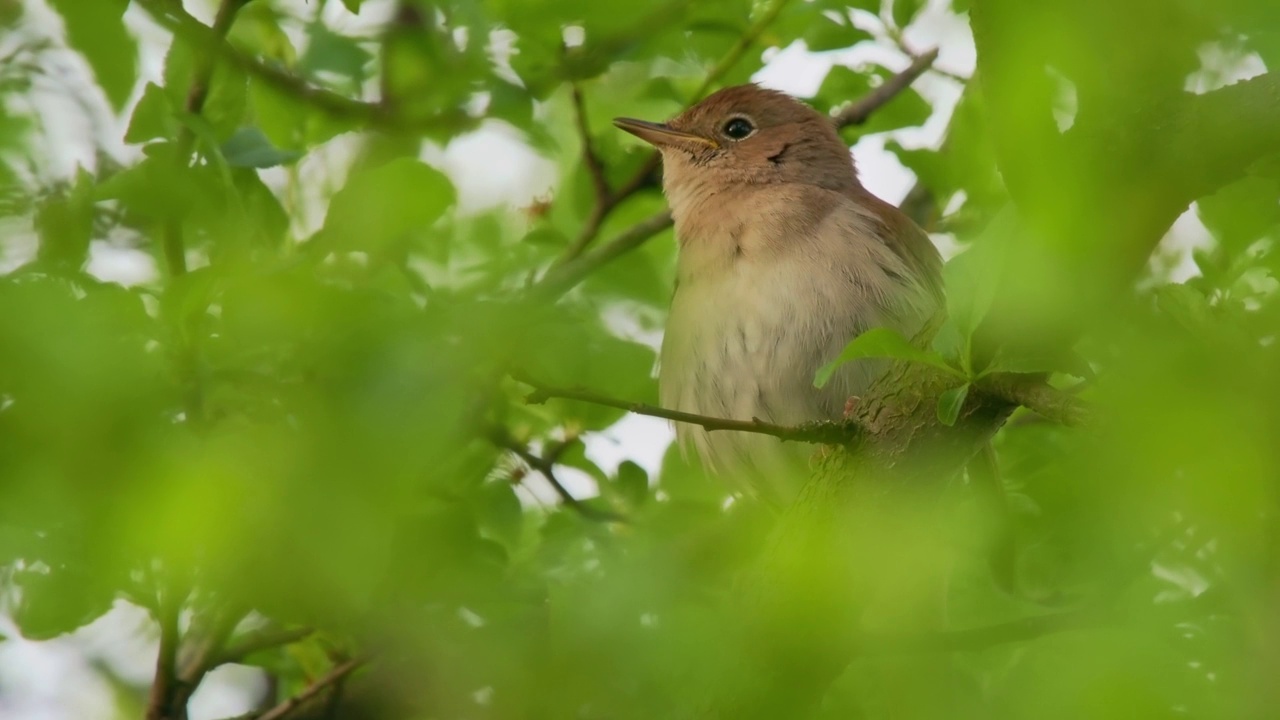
(748, 135)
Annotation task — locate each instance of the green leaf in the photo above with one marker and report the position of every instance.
(840, 86)
(907, 109)
(266, 219)
(972, 277)
(1037, 360)
(250, 147)
(153, 117)
(257, 32)
(59, 601)
(64, 224)
(352, 5)
(882, 343)
(633, 483)
(1243, 212)
(904, 11)
(160, 188)
(949, 404)
(499, 513)
(96, 29)
(227, 98)
(1185, 305)
(379, 205)
(291, 123)
(827, 34)
(329, 52)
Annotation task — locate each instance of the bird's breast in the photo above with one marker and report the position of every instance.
(745, 341)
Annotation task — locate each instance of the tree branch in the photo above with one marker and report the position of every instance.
(607, 200)
(1034, 394)
(740, 47)
(171, 233)
(860, 111)
(160, 705)
(173, 17)
(566, 274)
(257, 641)
(563, 278)
(827, 433)
(546, 466)
(329, 680)
(1204, 139)
(594, 167)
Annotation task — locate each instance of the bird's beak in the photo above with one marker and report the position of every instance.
(664, 135)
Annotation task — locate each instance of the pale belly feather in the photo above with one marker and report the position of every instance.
(746, 344)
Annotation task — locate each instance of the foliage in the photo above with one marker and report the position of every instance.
(311, 418)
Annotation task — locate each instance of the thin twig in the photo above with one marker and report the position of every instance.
(260, 640)
(202, 659)
(546, 467)
(566, 274)
(740, 47)
(594, 167)
(197, 93)
(174, 18)
(607, 200)
(330, 679)
(563, 278)
(164, 686)
(827, 433)
(859, 112)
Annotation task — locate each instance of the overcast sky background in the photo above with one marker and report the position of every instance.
(60, 679)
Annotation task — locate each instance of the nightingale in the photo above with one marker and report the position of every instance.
(783, 258)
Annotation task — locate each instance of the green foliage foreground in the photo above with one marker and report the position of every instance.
(304, 449)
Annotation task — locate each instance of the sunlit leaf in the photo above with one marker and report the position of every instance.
(950, 403)
(882, 343)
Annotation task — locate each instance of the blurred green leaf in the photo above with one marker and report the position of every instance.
(1242, 212)
(64, 223)
(904, 11)
(257, 31)
(379, 205)
(96, 29)
(826, 34)
(58, 601)
(225, 101)
(500, 514)
(335, 55)
(1186, 306)
(973, 277)
(249, 147)
(632, 483)
(153, 118)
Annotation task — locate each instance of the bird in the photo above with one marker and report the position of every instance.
(783, 257)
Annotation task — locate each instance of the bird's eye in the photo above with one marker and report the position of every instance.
(738, 128)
